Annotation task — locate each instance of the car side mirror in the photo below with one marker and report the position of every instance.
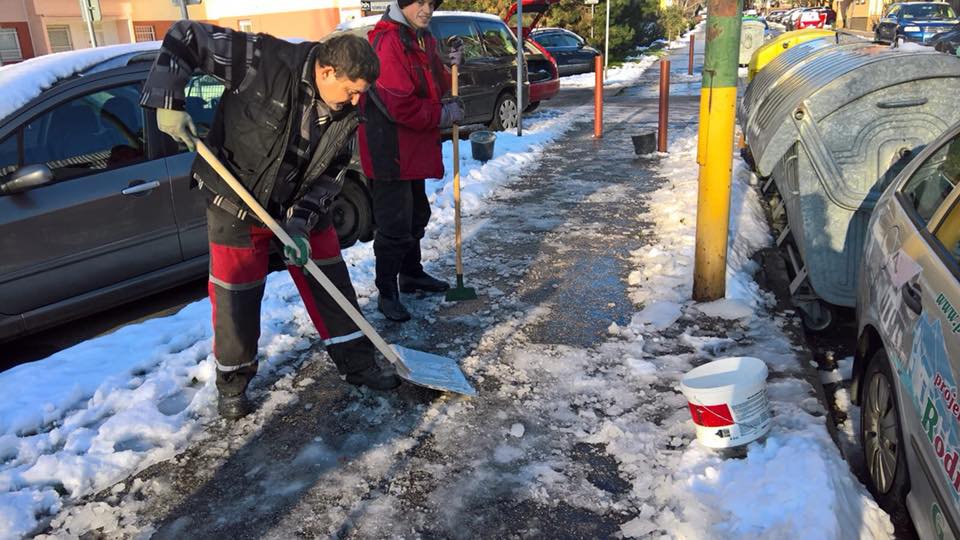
(26, 178)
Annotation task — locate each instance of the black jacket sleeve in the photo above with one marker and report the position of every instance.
(190, 47)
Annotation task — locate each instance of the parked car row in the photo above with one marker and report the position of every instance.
(806, 17)
(104, 197)
(865, 158)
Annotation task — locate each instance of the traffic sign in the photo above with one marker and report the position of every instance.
(591, 2)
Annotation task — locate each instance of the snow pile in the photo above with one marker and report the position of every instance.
(91, 415)
(624, 75)
(792, 484)
(24, 81)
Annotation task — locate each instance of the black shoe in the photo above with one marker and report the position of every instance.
(234, 407)
(425, 282)
(375, 378)
(393, 309)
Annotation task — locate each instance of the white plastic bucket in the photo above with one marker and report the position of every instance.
(728, 401)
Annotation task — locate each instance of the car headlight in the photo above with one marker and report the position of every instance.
(911, 28)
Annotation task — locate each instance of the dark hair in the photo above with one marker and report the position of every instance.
(350, 56)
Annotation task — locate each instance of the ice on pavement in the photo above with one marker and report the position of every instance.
(90, 416)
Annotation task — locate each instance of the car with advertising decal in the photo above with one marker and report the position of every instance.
(907, 362)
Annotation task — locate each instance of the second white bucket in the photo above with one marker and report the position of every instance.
(728, 401)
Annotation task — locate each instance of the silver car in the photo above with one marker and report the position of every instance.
(907, 363)
(96, 207)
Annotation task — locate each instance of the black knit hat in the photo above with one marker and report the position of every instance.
(405, 3)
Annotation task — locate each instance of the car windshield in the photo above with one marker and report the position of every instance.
(928, 11)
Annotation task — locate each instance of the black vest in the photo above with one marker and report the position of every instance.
(260, 114)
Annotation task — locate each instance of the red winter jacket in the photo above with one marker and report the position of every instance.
(400, 139)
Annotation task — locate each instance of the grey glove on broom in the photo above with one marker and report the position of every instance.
(451, 112)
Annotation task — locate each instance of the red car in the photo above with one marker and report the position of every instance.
(816, 18)
(542, 72)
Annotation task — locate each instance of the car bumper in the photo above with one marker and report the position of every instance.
(544, 90)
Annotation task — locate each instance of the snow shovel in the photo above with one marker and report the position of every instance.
(420, 368)
(459, 292)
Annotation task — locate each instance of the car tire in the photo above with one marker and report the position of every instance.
(884, 458)
(504, 113)
(532, 107)
(351, 213)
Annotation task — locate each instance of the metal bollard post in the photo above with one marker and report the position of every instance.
(693, 41)
(598, 97)
(664, 105)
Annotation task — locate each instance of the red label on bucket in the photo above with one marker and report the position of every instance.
(711, 415)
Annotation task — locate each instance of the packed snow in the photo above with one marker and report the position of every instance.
(88, 417)
(26, 80)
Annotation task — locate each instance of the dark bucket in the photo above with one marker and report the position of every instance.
(645, 143)
(481, 144)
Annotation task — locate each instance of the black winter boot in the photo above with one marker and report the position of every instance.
(392, 308)
(424, 282)
(375, 378)
(234, 407)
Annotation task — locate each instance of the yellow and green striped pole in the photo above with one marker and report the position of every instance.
(718, 101)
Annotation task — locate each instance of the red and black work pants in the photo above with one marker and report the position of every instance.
(239, 258)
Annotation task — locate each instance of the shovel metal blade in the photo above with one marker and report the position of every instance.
(433, 371)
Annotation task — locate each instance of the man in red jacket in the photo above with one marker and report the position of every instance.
(400, 145)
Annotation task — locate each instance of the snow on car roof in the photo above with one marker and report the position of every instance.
(28, 79)
(371, 20)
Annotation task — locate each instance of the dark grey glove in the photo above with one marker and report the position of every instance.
(451, 113)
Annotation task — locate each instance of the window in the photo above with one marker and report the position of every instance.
(465, 30)
(933, 180)
(572, 40)
(245, 25)
(59, 36)
(549, 40)
(203, 96)
(98, 131)
(144, 33)
(9, 45)
(9, 160)
(948, 232)
(497, 39)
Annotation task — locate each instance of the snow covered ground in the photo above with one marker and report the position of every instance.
(90, 416)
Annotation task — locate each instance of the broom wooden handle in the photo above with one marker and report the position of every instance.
(311, 267)
(455, 90)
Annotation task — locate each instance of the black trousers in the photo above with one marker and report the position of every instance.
(401, 211)
(239, 254)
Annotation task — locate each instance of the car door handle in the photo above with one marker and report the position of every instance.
(139, 186)
(911, 297)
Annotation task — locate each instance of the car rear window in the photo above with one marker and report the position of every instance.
(497, 39)
(462, 28)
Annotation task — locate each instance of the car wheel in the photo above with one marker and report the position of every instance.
(504, 113)
(351, 213)
(532, 107)
(881, 437)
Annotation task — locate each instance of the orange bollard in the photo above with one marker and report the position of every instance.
(664, 105)
(598, 97)
(693, 40)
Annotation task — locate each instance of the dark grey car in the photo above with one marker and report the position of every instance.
(488, 77)
(96, 207)
(571, 51)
